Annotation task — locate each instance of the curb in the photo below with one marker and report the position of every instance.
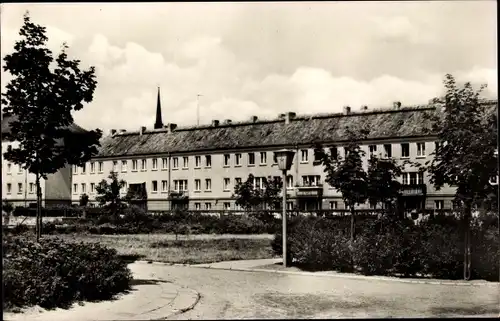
(322, 274)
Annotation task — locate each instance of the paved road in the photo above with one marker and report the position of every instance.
(236, 294)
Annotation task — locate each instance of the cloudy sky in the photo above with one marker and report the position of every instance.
(263, 58)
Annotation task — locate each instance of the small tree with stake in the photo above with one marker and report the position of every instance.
(40, 99)
(108, 194)
(465, 156)
(249, 197)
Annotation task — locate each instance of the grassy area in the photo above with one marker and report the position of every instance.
(185, 250)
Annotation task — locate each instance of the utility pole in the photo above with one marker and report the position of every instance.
(198, 109)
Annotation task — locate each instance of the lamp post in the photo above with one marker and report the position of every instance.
(284, 158)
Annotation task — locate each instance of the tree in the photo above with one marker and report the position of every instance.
(40, 99)
(249, 197)
(84, 200)
(108, 194)
(466, 154)
(347, 174)
(383, 186)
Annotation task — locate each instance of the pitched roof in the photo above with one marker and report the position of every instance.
(7, 119)
(302, 130)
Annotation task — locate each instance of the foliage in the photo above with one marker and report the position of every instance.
(7, 207)
(466, 155)
(383, 185)
(108, 194)
(84, 200)
(251, 197)
(54, 273)
(40, 100)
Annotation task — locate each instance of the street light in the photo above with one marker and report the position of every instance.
(284, 158)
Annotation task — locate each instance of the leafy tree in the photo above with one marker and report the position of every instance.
(383, 185)
(108, 194)
(466, 154)
(249, 197)
(40, 99)
(346, 174)
(84, 200)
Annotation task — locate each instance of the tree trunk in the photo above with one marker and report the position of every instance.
(467, 241)
(352, 224)
(38, 224)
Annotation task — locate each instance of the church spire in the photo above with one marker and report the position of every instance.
(158, 122)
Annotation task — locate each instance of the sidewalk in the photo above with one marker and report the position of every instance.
(149, 299)
(265, 265)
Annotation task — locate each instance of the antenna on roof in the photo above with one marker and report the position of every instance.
(198, 109)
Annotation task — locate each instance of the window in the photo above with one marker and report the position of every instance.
(373, 150)
(143, 164)
(154, 186)
(227, 181)
(75, 169)
(208, 184)
(439, 204)
(437, 145)
(263, 158)
(197, 184)
(388, 150)
(333, 205)
(75, 188)
(237, 180)
(164, 186)
(494, 180)
(84, 188)
(227, 159)
(134, 165)
(208, 161)
(164, 163)
(420, 149)
(304, 156)
(334, 153)
(115, 166)
(84, 168)
(227, 206)
(258, 182)
(92, 187)
(346, 151)
(180, 185)
(237, 159)
(289, 206)
(275, 159)
(413, 178)
(405, 150)
(19, 188)
(197, 206)
(197, 161)
(176, 163)
(92, 167)
(154, 165)
(311, 180)
(124, 166)
(251, 159)
(100, 167)
(420, 178)
(289, 182)
(32, 188)
(9, 188)
(185, 162)
(405, 178)
(19, 169)
(208, 206)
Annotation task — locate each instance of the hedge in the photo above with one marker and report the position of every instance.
(54, 273)
(388, 246)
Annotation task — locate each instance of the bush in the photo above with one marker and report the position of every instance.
(54, 273)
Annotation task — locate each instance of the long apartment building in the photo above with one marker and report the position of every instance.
(198, 167)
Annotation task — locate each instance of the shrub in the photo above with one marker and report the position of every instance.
(54, 273)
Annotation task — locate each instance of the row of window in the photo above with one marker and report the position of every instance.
(251, 159)
(20, 188)
(438, 205)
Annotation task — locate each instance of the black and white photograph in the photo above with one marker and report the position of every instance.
(249, 160)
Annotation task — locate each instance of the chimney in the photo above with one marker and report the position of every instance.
(158, 122)
(227, 121)
(254, 119)
(123, 131)
(364, 108)
(215, 123)
(112, 132)
(347, 110)
(171, 127)
(397, 104)
(289, 116)
(142, 130)
(281, 116)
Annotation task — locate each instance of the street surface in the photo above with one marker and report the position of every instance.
(236, 294)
